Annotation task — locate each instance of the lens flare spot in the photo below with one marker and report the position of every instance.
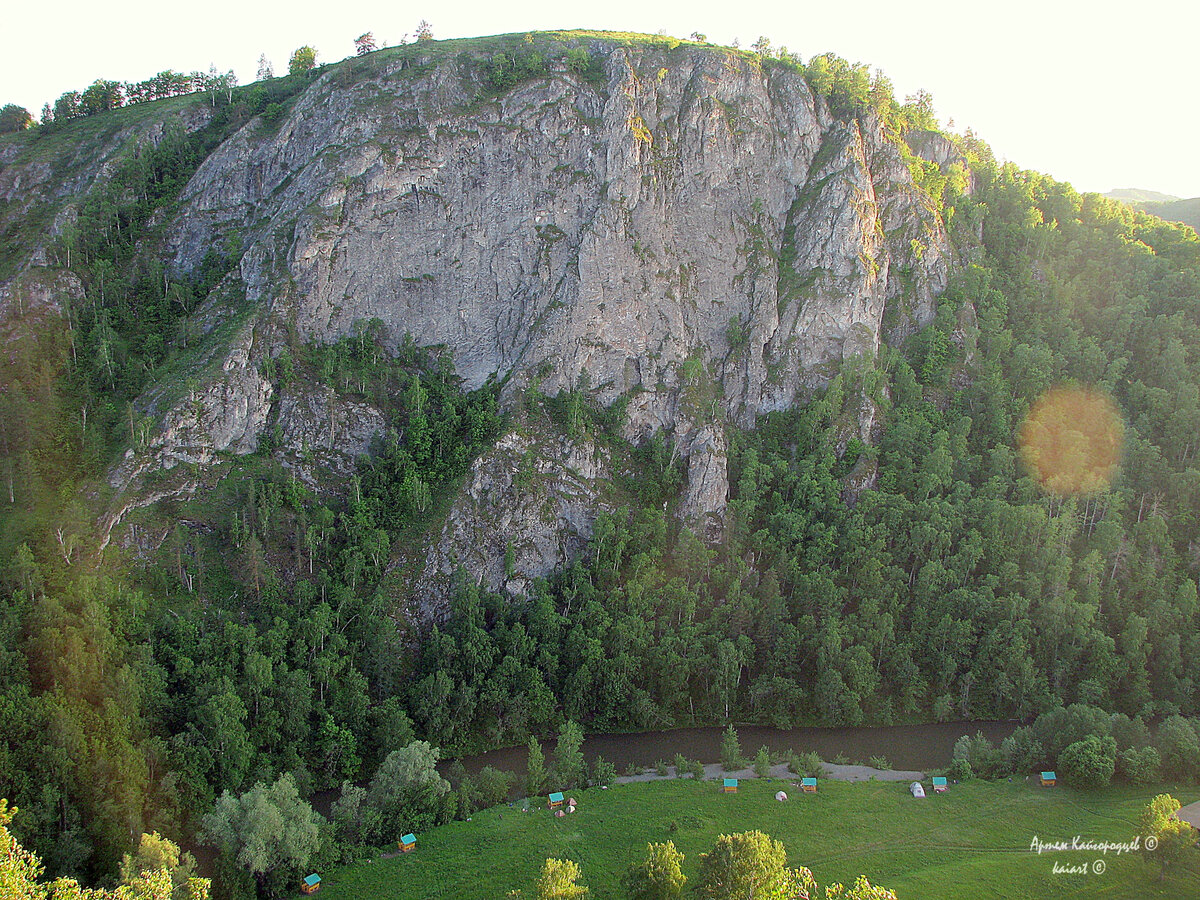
(1071, 441)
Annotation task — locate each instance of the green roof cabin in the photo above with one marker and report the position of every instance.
(408, 843)
(311, 884)
(556, 800)
(1048, 779)
(808, 785)
(939, 783)
(730, 786)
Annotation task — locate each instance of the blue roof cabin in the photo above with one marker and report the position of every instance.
(408, 842)
(730, 786)
(311, 884)
(939, 783)
(1048, 779)
(556, 800)
(808, 785)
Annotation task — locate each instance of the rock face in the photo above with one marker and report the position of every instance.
(693, 230)
(528, 504)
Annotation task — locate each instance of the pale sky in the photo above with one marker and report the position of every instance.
(1095, 92)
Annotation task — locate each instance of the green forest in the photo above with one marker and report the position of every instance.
(928, 576)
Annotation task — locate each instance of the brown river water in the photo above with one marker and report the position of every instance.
(905, 746)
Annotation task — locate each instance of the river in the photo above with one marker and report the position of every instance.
(905, 746)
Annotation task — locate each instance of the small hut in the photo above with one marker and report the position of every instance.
(918, 789)
(730, 786)
(408, 843)
(939, 784)
(311, 884)
(1049, 779)
(808, 785)
(556, 800)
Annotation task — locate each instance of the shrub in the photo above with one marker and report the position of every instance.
(681, 765)
(1139, 766)
(604, 773)
(1060, 727)
(762, 762)
(1089, 763)
(697, 769)
(879, 762)
(731, 751)
(806, 765)
(661, 768)
(1022, 753)
(494, 785)
(1179, 747)
(985, 759)
(960, 770)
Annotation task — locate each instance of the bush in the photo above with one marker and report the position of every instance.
(697, 769)
(1179, 747)
(806, 765)
(986, 761)
(681, 765)
(1022, 753)
(960, 770)
(1058, 728)
(731, 751)
(661, 768)
(494, 785)
(879, 762)
(762, 762)
(1130, 733)
(1139, 766)
(604, 773)
(1089, 763)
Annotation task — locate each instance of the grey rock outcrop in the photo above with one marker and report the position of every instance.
(698, 233)
(528, 504)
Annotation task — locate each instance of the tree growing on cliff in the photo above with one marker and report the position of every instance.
(303, 59)
(14, 118)
(364, 44)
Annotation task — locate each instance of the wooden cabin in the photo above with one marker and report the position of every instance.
(730, 786)
(556, 800)
(939, 784)
(808, 785)
(1049, 779)
(311, 884)
(408, 843)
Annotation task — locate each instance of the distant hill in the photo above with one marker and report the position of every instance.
(1165, 206)
(1185, 211)
(1138, 196)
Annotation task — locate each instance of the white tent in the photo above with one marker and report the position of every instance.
(780, 796)
(917, 789)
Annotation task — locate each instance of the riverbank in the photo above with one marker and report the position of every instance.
(972, 841)
(837, 773)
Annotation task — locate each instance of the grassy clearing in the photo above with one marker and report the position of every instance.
(973, 840)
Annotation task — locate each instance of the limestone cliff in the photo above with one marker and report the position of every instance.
(685, 227)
